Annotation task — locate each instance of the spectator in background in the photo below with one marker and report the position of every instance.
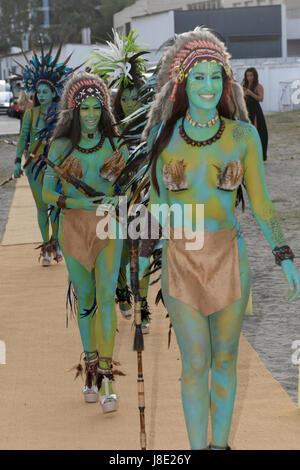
(254, 93)
(24, 102)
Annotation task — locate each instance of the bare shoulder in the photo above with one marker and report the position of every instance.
(240, 130)
(59, 148)
(259, 88)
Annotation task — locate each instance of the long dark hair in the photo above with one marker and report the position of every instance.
(255, 78)
(180, 107)
(105, 126)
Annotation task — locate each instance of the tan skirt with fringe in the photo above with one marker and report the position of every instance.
(80, 240)
(207, 279)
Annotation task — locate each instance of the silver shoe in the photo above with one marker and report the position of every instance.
(109, 401)
(91, 395)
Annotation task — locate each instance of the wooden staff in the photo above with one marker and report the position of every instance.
(10, 178)
(76, 182)
(31, 157)
(138, 344)
(33, 154)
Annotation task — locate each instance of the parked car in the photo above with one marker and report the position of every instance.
(13, 110)
(5, 96)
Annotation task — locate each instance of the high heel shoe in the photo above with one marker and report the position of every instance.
(90, 390)
(109, 401)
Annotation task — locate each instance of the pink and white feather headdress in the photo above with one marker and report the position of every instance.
(79, 87)
(200, 45)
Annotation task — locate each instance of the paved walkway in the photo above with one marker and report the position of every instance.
(8, 125)
(41, 405)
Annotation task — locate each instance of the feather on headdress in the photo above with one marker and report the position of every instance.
(79, 84)
(189, 48)
(122, 63)
(44, 69)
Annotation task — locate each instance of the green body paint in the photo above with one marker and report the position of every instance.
(212, 342)
(33, 122)
(97, 328)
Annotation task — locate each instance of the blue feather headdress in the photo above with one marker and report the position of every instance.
(45, 69)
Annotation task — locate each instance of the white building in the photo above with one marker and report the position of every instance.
(79, 52)
(125, 20)
(154, 22)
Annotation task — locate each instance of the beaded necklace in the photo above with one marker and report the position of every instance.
(201, 143)
(93, 149)
(198, 124)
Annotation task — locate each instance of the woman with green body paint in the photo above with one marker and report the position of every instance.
(43, 77)
(123, 66)
(83, 147)
(126, 103)
(199, 157)
(34, 121)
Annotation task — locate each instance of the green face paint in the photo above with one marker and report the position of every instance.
(129, 101)
(205, 85)
(45, 95)
(90, 114)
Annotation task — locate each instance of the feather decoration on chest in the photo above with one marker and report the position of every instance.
(112, 166)
(231, 176)
(72, 167)
(174, 177)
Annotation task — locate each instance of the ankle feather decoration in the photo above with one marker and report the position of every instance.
(91, 365)
(109, 373)
(79, 371)
(123, 295)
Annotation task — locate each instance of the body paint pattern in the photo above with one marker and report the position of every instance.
(95, 290)
(31, 125)
(212, 342)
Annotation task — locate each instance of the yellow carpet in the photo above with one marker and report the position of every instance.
(41, 405)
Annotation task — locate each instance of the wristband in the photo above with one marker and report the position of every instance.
(61, 202)
(282, 253)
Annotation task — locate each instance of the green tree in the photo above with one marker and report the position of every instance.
(108, 9)
(14, 20)
(67, 18)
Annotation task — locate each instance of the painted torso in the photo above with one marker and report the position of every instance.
(90, 165)
(201, 172)
(33, 122)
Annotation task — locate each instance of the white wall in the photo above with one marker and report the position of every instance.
(80, 53)
(153, 31)
(293, 28)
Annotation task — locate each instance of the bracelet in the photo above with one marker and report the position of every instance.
(61, 202)
(282, 252)
(18, 160)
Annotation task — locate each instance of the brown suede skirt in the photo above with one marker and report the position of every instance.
(80, 240)
(207, 279)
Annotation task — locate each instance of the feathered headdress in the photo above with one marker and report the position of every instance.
(122, 63)
(45, 69)
(79, 87)
(200, 45)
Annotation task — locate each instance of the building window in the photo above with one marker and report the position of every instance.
(205, 5)
(127, 28)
